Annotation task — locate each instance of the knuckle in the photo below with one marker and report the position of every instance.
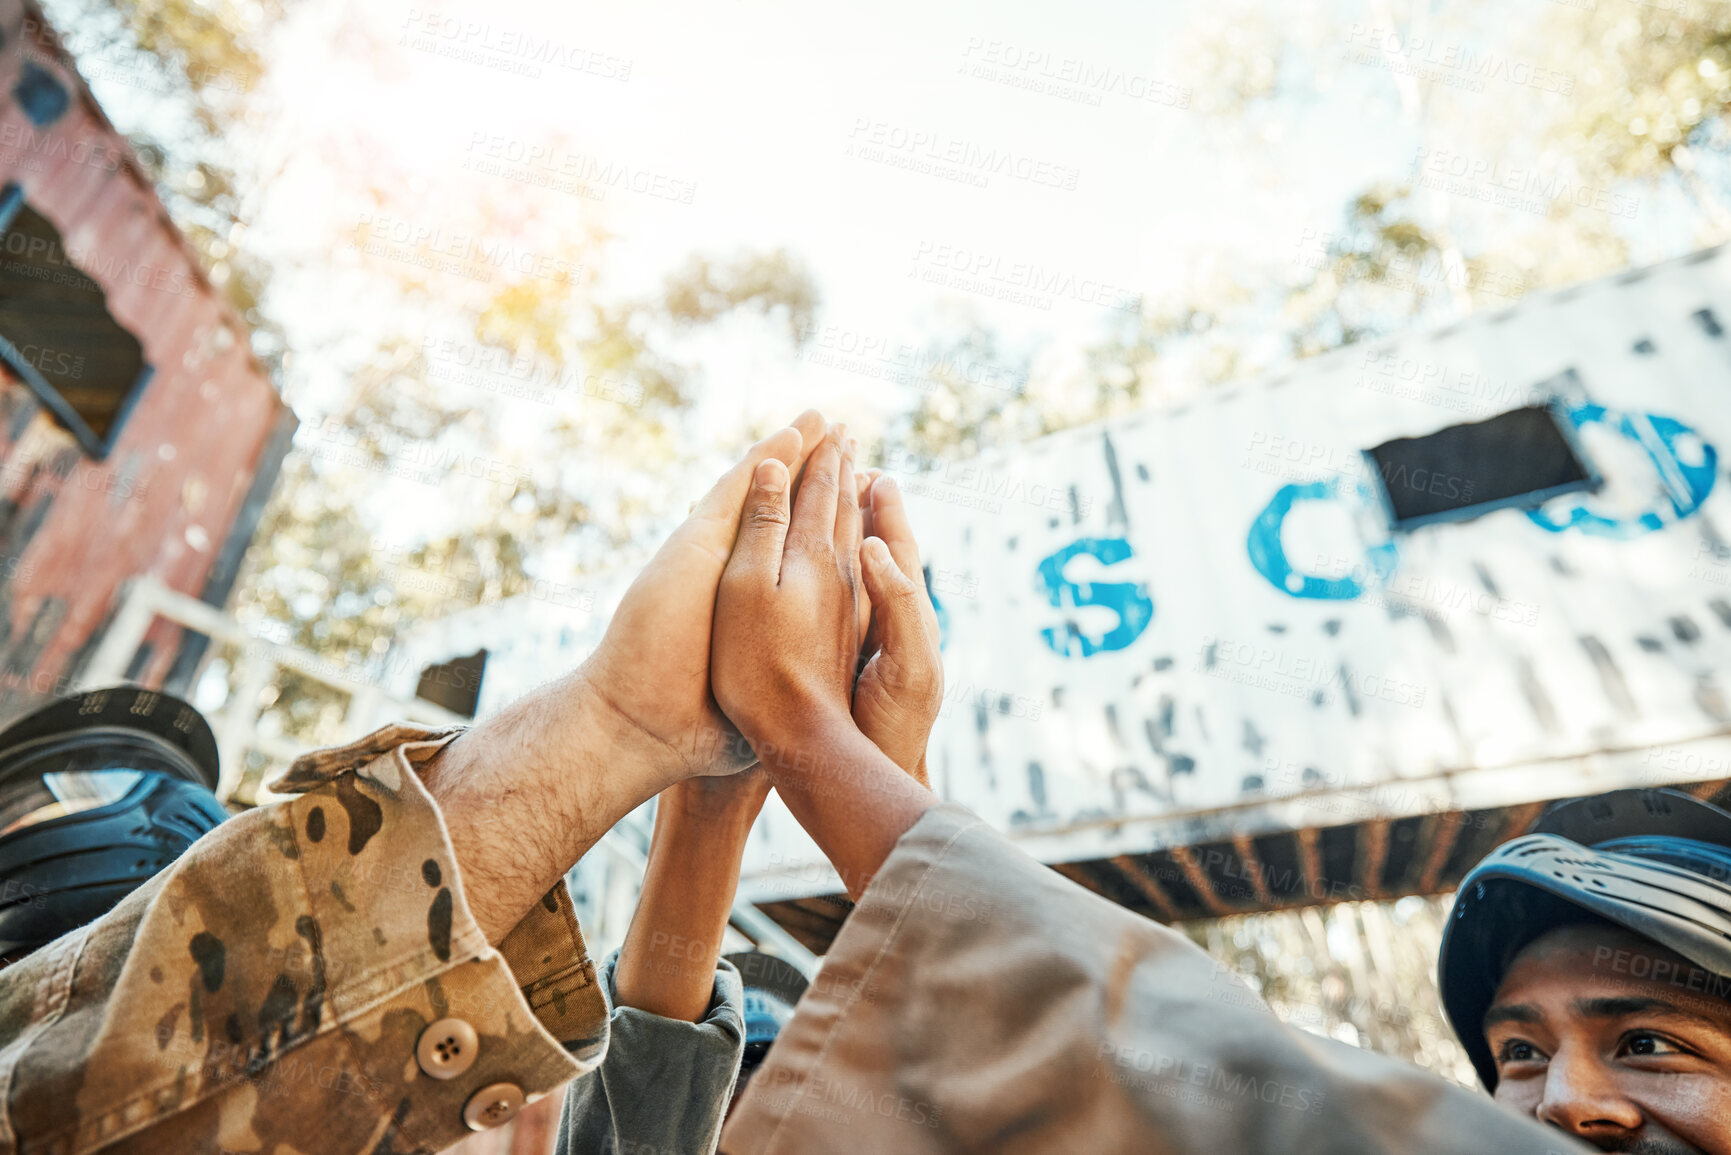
(919, 687)
(767, 515)
(809, 544)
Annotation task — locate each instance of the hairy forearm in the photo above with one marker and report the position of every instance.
(667, 965)
(850, 797)
(527, 792)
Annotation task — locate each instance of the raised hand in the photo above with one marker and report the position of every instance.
(530, 789)
(786, 644)
(652, 667)
(786, 637)
(901, 689)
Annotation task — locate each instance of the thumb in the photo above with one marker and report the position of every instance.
(895, 604)
(763, 522)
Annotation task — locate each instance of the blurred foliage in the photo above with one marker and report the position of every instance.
(216, 44)
(577, 492)
(978, 392)
(1232, 55)
(1647, 113)
(1360, 972)
(1385, 271)
(772, 284)
(1652, 79)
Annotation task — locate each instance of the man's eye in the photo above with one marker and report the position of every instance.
(1647, 1043)
(1518, 1051)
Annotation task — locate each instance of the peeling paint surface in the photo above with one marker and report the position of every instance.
(1182, 665)
(167, 495)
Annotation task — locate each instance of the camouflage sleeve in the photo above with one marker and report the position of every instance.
(307, 978)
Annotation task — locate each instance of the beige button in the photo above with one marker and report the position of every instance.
(491, 1106)
(447, 1048)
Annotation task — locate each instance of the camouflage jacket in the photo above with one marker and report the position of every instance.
(306, 980)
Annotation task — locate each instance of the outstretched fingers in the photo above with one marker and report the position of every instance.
(790, 445)
(896, 599)
(763, 523)
(864, 482)
(848, 534)
(890, 524)
(715, 518)
(814, 509)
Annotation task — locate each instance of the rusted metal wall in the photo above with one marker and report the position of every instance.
(166, 498)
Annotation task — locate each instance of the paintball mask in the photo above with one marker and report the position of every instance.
(98, 792)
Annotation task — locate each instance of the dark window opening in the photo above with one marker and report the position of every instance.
(56, 333)
(43, 98)
(455, 685)
(1522, 458)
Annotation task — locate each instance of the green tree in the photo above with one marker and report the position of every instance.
(585, 489)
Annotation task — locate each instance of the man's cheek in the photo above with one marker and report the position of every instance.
(1686, 1112)
(1522, 1096)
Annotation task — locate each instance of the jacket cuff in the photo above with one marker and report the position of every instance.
(724, 1017)
(544, 951)
(408, 960)
(665, 1084)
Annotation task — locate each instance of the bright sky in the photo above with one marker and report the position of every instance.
(923, 160)
(738, 119)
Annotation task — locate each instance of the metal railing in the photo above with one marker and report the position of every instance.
(257, 667)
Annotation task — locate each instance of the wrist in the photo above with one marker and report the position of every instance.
(909, 754)
(542, 776)
(809, 745)
(711, 810)
(632, 751)
(837, 764)
(855, 803)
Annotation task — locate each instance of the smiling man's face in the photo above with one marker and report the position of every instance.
(1617, 1041)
